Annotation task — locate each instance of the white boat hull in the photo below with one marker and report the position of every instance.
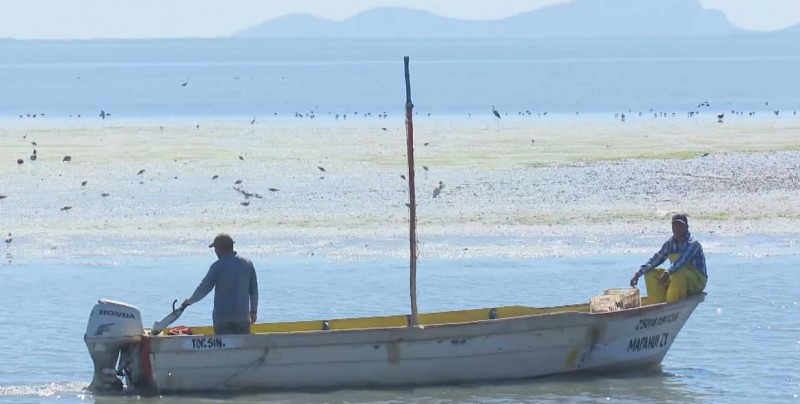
(490, 350)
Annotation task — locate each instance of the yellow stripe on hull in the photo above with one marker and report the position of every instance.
(445, 317)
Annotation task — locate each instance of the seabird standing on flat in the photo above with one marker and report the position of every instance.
(438, 190)
(496, 114)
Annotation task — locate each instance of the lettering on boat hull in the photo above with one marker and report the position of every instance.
(647, 343)
(657, 321)
(210, 343)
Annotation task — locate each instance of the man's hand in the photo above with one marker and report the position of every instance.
(635, 279)
(253, 318)
(664, 278)
(185, 303)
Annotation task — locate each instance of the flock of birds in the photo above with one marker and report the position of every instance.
(436, 191)
(497, 114)
(236, 187)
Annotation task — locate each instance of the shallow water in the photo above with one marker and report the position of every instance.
(740, 345)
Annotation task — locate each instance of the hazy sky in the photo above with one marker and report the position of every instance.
(63, 19)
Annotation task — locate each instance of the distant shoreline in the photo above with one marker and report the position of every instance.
(321, 119)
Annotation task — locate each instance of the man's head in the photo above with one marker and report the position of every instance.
(680, 226)
(222, 244)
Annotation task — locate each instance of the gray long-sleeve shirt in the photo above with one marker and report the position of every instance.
(236, 294)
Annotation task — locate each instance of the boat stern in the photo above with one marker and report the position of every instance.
(113, 328)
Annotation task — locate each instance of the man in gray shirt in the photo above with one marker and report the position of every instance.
(236, 294)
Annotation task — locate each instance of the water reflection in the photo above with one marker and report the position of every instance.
(650, 385)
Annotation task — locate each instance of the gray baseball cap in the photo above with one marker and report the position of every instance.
(222, 240)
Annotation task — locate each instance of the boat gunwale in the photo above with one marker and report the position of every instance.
(397, 334)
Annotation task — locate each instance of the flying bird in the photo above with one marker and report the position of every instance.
(185, 83)
(103, 114)
(140, 172)
(321, 169)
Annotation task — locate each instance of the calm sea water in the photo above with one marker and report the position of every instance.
(741, 345)
(246, 78)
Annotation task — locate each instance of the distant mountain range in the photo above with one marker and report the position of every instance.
(575, 19)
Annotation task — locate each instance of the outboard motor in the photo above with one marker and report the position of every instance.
(112, 326)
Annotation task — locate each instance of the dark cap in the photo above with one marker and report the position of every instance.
(222, 240)
(680, 218)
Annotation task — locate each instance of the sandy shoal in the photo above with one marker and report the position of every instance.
(520, 187)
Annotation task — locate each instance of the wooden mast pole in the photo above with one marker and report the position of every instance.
(412, 199)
